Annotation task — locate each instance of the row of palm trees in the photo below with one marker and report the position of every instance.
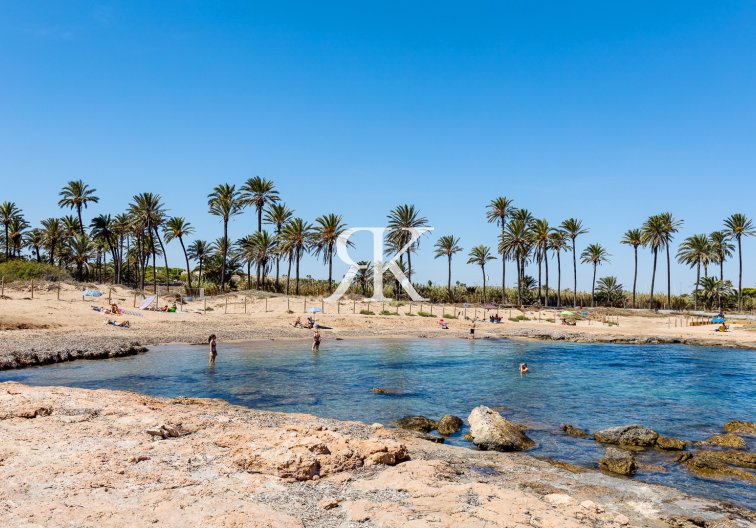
(138, 236)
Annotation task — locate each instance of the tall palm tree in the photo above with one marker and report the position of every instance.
(247, 252)
(447, 246)
(77, 195)
(499, 209)
(653, 233)
(514, 243)
(16, 230)
(671, 226)
(199, 250)
(35, 239)
(328, 228)
(81, 249)
(610, 290)
(364, 275)
(541, 233)
(122, 228)
(71, 225)
(265, 249)
(574, 228)
(696, 251)
(8, 211)
(739, 225)
(296, 240)
(102, 229)
(480, 255)
(277, 215)
(714, 290)
(148, 212)
(224, 202)
(594, 254)
(557, 244)
(54, 234)
(258, 192)
(723, 249)
(176, 228)
(400, 220)
(634, 238)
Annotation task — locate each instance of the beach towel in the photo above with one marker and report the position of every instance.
(147, 302)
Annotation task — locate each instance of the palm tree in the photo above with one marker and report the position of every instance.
(265, 249)
(557, 244)
(499, 209)
(81, 249)
(199, 250)
(296, 239)
(610, 290)
(258, 192)
(714, 290)
(594, 254)
(328, 228)
(739, 225)
(16, 231)
(653, 234)
(634, 238)
(148, 213)
(247, 252)
(224, 202)
(176, 228)
(514, 243)
(277, 215)
(671, 226)
(8, 211)
(364, 275)
(71, 225)
(723, 249)
(696, 251)
(574, 228)
(102, 229)
(447, 246)
(480, 255)
(400, 220)
(541, 233)
(36, 240)
(77, 195)
(53, 235)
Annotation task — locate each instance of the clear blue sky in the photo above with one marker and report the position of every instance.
(607, 111)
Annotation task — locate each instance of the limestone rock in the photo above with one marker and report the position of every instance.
(668, 443)
(627, 435)
(491, 431)
(571, 430)
(725, 440)
(449, 424)
(618, 461)
(740, 426)
(420, 424)
(716, 464)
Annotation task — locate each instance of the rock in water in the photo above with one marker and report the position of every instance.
(618, 461)
(449, 424)
(571, 430)
(489, 430)
(740, 426)
(670, 444)
(725, 440)
(417, 423)
(627, 435)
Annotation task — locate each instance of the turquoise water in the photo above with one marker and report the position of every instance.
(685, 392)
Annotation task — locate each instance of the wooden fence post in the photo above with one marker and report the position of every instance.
(205, 299)
(2, 288)
(354, 307)
(266, 305)
(305, 305)
(322, 306)
(245, 304)
(225, 309)
(58, 290)
(32, 288)
(110, 290)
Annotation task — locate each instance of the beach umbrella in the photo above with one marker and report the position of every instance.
(314, 310)
(567, 312)
(91, 293)
(718, 320)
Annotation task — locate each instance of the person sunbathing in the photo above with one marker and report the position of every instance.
(310, 323)
(124, 324)
(443, 324)
(298, 323)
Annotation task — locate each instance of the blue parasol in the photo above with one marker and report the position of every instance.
(314, 310)
(91, 293)
(718, 320)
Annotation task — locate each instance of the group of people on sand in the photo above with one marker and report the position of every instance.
(494, 318)
(310, 323)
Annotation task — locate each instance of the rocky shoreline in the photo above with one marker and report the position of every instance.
(108, 458)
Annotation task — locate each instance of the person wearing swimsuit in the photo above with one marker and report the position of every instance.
(213, 349)
(316, 341)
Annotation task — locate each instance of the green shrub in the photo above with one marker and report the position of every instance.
(550, 320)
(366, 312)
(450, 316)
(17, 269)
(519, 318)
(425, 314)
(386, 312)
(396, 303)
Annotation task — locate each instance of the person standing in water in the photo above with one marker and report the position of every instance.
(213, 349)
(316, 341)
(472, 330)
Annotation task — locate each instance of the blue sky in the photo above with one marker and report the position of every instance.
(606, 111)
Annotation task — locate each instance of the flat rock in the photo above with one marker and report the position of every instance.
(491, 431)
(618, 461)
(420, 424)
(725, 440)
(741, 427)
(627, 435)
(668, 443)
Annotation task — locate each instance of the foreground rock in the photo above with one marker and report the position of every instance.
(726, 440)
(627, 435)
(491, 431)
(668, 443)
(571, 430)
(89, 463)
(740, 427)
(449, 424)
(421, 424)
(618, 461)
(720, 465)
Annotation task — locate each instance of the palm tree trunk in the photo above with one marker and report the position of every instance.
(154, 264)
(559, 279)
(296, 284)
(81, 224)
(186, 257)
(165, 260)
(7, 247)
(288, 275)
(519, 284)
(635, 274)
(330, 270)
(409, 265)
(225, 250)
(574, 273)
(593, 287)
(249, 274)
(740, 275)
(539, 278)
(698, 279)
(669, 280)
(448, 278)
(200, 273)
(483, 269)
(546, 262)
(721, 279)
(503, 270)
(653, 279)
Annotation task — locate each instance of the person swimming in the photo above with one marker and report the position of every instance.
(213, 349)
(524, 368)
